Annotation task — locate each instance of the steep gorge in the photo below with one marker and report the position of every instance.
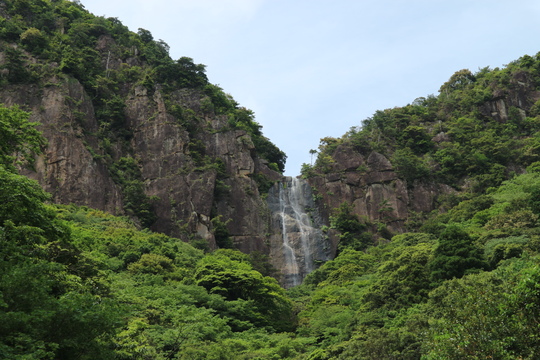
(132, 132)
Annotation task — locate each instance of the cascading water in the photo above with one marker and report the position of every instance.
(296, 220)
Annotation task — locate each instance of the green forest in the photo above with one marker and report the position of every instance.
(78, 283)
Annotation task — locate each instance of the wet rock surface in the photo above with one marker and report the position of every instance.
(298, 244)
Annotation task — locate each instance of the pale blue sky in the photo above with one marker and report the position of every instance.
(313, 68)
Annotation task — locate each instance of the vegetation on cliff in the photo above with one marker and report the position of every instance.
(461, 283)
(78, 283)
(44, 43)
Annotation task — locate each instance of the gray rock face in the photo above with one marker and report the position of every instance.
(184, 195)
(187, 195)
(67, 169)
(522, 96)
(369, 182)
(374, 189)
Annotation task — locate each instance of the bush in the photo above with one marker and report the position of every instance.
(152, 264)
(409, 166)
(353, 232)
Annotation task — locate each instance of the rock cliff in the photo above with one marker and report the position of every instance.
(68, 168)
(185, 193)
(372, 186)
(79, 163)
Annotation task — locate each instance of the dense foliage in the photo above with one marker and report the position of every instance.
(465, 289)
(461, 285)
(79, 283)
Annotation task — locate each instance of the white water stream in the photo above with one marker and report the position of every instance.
(302, 241)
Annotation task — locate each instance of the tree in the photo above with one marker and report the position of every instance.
(490, 315)
(346, 267)
(18, 136)
(455, 256)
(353, 232)
(34, 40)
(152, 264)
(23, 214)
(17, 68)
(238, 283)
(404, 279)
(312, 152)
(409, 166)
(417, 139)
(534, 199)
(50, 306)
(221, 233)
(458, 81)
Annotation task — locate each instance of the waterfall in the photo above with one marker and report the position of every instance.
(298, 242)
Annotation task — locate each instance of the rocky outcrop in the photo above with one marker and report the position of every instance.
(193, 167)
(368, 181)
(372, 186)
(521, 94)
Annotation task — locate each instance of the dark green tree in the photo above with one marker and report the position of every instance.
(221, 233)
(403, 280)
(417, 139)
(353, 233)
(238, 283)
(409, 166)
(17, 69)
(18, 136)
(491, 315)
(455, 256)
